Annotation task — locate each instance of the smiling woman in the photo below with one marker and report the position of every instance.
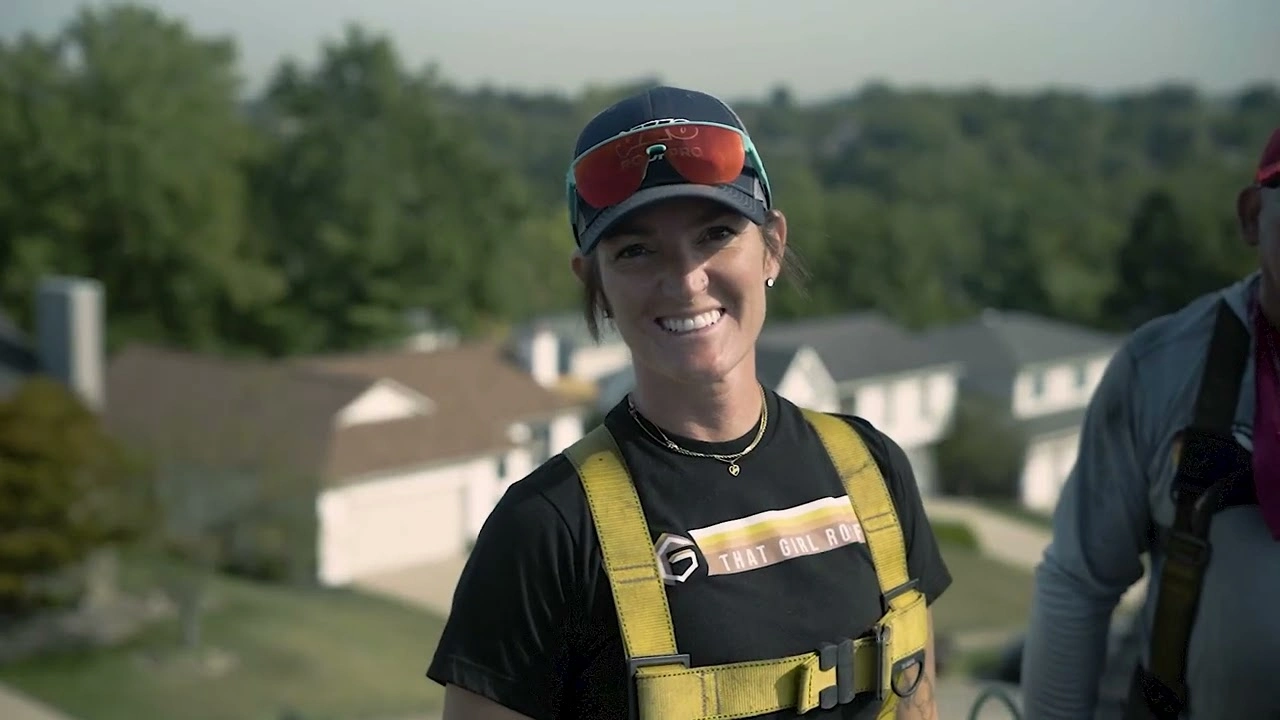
(709, 534)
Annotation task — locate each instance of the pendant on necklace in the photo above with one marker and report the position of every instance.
(733, 469)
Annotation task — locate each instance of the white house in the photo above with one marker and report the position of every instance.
(407, 451)
(882, 373)
(557, 347)
(1044, 371)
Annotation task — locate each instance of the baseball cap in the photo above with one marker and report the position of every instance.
(748, 194)
(1269, 163)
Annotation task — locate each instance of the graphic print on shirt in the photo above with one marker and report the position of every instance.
(760, 540)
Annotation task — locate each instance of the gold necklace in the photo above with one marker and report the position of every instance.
(662, 439)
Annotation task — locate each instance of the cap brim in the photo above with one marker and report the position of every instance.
(731, 196)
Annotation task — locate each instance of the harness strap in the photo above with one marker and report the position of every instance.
(871, 503)
(665, 687)
(904, 629)
(1212, 472)
(626, 549)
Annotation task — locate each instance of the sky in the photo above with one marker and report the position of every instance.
(743, 48)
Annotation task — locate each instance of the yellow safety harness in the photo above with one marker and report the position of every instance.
(663, 686)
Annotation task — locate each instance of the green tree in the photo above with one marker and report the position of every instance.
(123, 144)
(377, 204)
(1170, 258)
(66, 490)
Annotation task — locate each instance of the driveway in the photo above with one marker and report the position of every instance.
(1006, 539)
(16, 706)
(428, 586)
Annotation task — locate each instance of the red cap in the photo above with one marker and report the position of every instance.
(1269, 164)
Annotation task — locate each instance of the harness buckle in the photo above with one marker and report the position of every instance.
(913, 584)
(634, 664)
(838, 656)
(896, 670)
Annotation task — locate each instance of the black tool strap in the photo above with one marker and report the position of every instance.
(1213, 473)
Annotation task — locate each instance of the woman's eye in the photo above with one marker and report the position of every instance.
(719, 234)
(630, 251)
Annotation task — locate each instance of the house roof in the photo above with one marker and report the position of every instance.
(571, 327)
(1017, 338)
(773, 360)
(855, 346)
(225, 412)
(222, 411)
(478, 396)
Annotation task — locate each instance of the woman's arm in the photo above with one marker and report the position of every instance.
(923, 703)
(506, 643)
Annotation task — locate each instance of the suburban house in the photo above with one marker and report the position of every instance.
(67, 343)
(1044, 371)
(794, 372)
(558, 348)
(401, 454)
(882, 373)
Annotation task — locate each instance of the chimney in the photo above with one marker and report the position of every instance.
(69, 335)
(539, 353)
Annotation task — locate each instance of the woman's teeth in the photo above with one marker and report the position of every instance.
(689, 324)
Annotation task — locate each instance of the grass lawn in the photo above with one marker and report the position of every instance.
(338, 655)
(985, 594)
(328, 655)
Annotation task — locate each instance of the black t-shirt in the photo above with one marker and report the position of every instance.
(533, 625)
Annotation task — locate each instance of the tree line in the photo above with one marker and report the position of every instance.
(323, 212)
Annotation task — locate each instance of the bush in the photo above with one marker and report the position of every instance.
(982, 456)
(66, 490)
(955, 534)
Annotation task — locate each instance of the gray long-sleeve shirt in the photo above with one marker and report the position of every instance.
(1120, 484)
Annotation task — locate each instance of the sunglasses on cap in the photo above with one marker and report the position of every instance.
(1268, 177)
(702, 153)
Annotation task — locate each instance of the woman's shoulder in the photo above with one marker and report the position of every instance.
(888, 453)
(543, 497)
(889, 456)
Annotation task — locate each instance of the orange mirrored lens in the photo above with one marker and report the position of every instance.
(702, 154)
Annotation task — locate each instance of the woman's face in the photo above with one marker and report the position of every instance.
(685, 285)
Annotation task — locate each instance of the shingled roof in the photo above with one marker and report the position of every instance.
(257, 413)
(477, 393)
(1018, 339)
(855, 346)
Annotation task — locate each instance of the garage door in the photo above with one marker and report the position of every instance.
(391, 524)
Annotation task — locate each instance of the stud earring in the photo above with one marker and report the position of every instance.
(768, 282)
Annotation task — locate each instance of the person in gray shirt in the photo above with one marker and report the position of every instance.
(1119, 497)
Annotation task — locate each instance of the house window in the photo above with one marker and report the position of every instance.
(849, 406)
(926, 398)
(1082, 375)
(540, 444)
(1037, 384)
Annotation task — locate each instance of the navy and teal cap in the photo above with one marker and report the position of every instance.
(748, 195)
